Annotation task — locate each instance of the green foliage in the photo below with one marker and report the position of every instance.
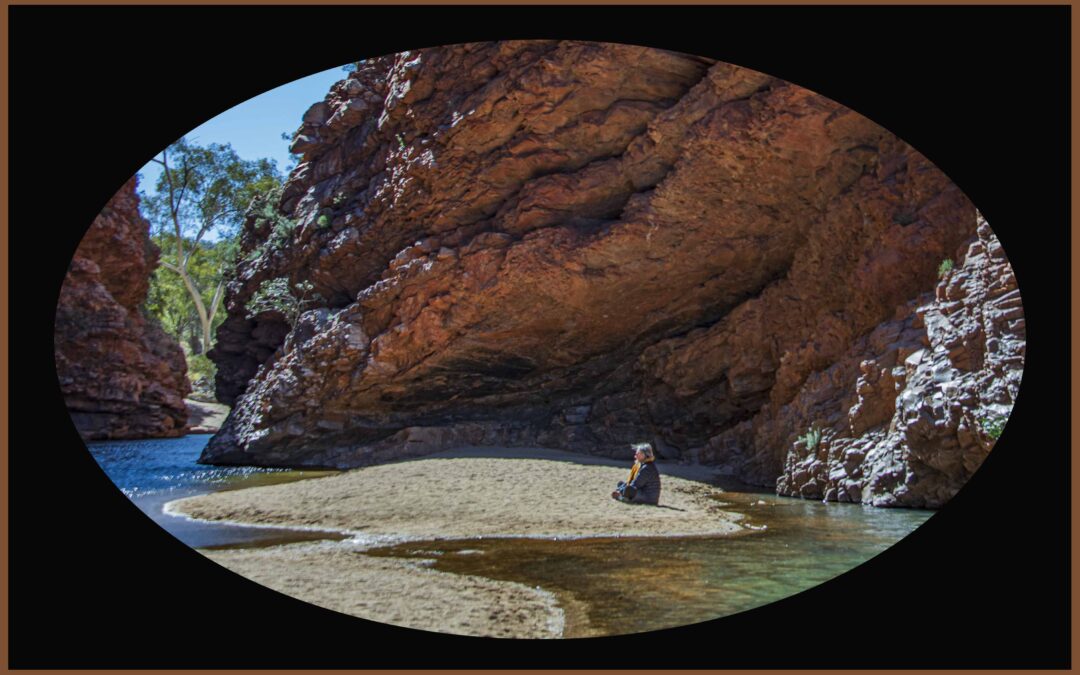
(993, 425)
(195, 212)
(812, 437)
(944, 268)
(282, 232)
(275, 295)
(266, 215)
(209, 188)
(201, 372)
(170, 305)
(323, 221)
(170, 302)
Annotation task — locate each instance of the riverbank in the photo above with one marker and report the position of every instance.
(464, 494)
(399, 592)
(457, 495)
(205, 417)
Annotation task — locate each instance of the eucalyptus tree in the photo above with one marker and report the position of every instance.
(199, 202)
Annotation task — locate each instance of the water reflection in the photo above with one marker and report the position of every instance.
(605, 586)
(615, 586)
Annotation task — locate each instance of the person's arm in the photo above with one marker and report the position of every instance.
(643, 478)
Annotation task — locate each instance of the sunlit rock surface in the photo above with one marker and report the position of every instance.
(579, 246)
(910, 413)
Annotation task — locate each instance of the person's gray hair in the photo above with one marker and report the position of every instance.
(646, 449)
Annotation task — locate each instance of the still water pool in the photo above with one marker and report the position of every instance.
(602, 584)
(614, 586)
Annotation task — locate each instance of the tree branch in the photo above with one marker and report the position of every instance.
(219, 293)
(174, 206)
(206, 227)
(184, 182)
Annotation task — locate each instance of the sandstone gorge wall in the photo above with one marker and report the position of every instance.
(121, 376)
(578, 245)
(909, 412)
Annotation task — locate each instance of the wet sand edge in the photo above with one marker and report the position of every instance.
(576, 488)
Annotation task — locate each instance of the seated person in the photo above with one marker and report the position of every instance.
(643, 485)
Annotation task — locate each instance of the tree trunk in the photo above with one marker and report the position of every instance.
(206, 319)
(196, 297)
(194, 343)
(219, 293)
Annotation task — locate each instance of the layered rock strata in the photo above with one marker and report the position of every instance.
(571, 245)
(932, 390)
(120, 374)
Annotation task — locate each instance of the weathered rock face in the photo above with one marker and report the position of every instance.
(573, 245)
(121, 376)
(912, 410)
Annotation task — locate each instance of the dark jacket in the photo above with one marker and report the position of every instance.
(646, 485)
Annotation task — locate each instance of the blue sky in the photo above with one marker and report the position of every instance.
(254, 127)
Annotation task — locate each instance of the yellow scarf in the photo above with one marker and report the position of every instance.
(634, 471)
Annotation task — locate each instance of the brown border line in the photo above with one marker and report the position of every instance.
(853, 3)
(4, 350)
(1074, 323)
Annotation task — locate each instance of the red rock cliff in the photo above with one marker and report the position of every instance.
(574, 245)
(121, 376)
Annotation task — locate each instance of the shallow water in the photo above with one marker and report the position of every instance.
(605, 586)
(153, 472)
(611, 585)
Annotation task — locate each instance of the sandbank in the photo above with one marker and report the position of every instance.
(459, 494)
(398, 592)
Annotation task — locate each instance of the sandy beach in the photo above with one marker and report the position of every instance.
(459, 494)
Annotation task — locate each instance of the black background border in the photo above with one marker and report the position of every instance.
(96, 91)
